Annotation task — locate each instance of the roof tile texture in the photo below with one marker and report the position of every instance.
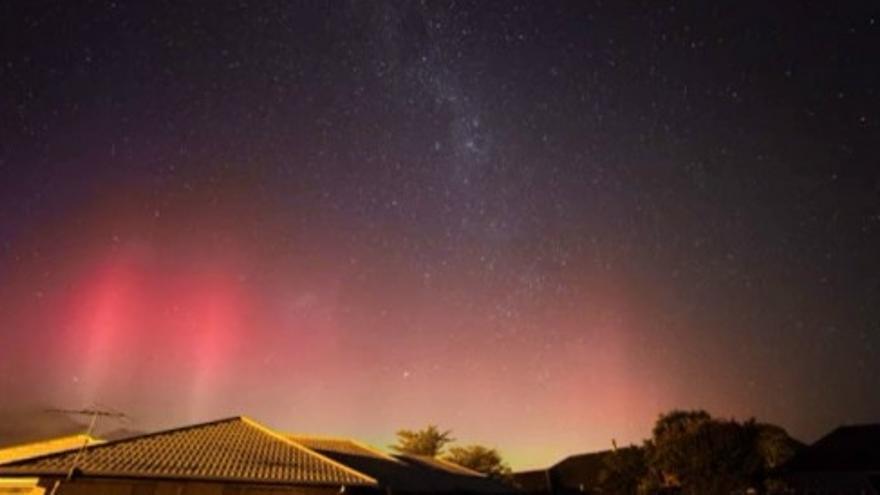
(233, 449)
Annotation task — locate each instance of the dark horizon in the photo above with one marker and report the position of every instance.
(539, 225)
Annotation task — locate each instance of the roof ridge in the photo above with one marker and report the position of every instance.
(855, 425)
(375, 450)
(312, 436)
(582, 454)
(842, 429)
(440, 460)
(458, 466)
(354, 441)
(292, 443)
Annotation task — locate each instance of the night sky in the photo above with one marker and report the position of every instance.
(539, 224)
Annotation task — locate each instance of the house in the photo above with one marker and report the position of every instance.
(574, 474)
(579, 473)
(535, 482)
(238, 456)
(404, 473)
(234, 456)
(843, 462)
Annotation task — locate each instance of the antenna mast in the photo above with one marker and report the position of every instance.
(95, 413)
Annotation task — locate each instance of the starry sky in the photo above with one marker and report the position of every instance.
(539, 224)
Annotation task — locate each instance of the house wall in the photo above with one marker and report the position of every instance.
(533, 482)
(109, 486)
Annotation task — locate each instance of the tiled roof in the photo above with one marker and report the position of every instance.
(49, 446)
(234, 449)
(440, 464)
(339, 445)
(404, 473)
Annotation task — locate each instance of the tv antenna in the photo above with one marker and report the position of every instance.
(94, 413)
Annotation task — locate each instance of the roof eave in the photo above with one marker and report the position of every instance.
(177, 477)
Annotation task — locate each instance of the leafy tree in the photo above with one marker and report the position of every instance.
(666, 454)
(480, 458)
(700, 454)
(775, 446)
(428, 441)
(703, 455)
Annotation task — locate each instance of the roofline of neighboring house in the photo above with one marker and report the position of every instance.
(574, 456)
(854, 426)
(857, 425)
(323, 457)
(446, 463)
(358, 443)
(384, 455)
(459, 466)
(530, 471)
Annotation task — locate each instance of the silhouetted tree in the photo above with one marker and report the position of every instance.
(428, 441)
(699, 454)
(776, 448)
(480, 458)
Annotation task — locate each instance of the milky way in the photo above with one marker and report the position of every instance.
(537, 224)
